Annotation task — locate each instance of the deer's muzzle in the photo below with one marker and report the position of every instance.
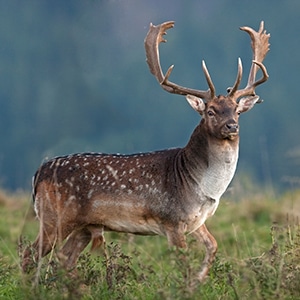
(230, 130)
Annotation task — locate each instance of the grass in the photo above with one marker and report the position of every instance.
(258, 257)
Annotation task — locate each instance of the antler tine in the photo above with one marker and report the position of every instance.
(153, 39)
(260, 47)
(209, 81)
(238, 78)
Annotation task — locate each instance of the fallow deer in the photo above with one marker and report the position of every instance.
(169, 193)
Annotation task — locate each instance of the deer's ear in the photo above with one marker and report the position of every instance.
(196, 103)
(247, 103)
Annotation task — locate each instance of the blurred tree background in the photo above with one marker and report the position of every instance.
(74, 78)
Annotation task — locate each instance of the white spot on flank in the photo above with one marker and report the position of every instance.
(153, 190)
(140, 188)
(123, 186)
(69, 202)
(90, 193)
(65, 162)
(113, 172)
(70, 183)
(96, 204)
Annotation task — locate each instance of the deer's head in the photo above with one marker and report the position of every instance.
(219, 113)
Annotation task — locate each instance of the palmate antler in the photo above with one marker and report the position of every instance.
(152, 41)
(260, 47)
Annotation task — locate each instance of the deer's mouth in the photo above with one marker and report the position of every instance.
(230, 133)
(233, 135)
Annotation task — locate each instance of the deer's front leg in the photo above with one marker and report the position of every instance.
(176, 235)
(205, 237)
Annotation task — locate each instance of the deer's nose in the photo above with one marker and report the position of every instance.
(232, 126)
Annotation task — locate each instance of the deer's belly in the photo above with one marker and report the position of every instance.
(124, 216)
(133, 226)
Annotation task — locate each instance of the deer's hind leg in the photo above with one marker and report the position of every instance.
(44, 243)
(76, 243)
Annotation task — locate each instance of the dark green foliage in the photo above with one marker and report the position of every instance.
(273, 274)
(277, 271)
(258, 258)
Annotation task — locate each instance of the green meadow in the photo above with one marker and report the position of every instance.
(258, 256)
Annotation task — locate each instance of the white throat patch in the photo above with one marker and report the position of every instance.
(219, 173)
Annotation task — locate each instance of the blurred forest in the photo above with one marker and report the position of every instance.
(74, 78)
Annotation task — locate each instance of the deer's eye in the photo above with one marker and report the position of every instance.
(210, 113)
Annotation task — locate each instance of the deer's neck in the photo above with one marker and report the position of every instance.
(209, 163)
